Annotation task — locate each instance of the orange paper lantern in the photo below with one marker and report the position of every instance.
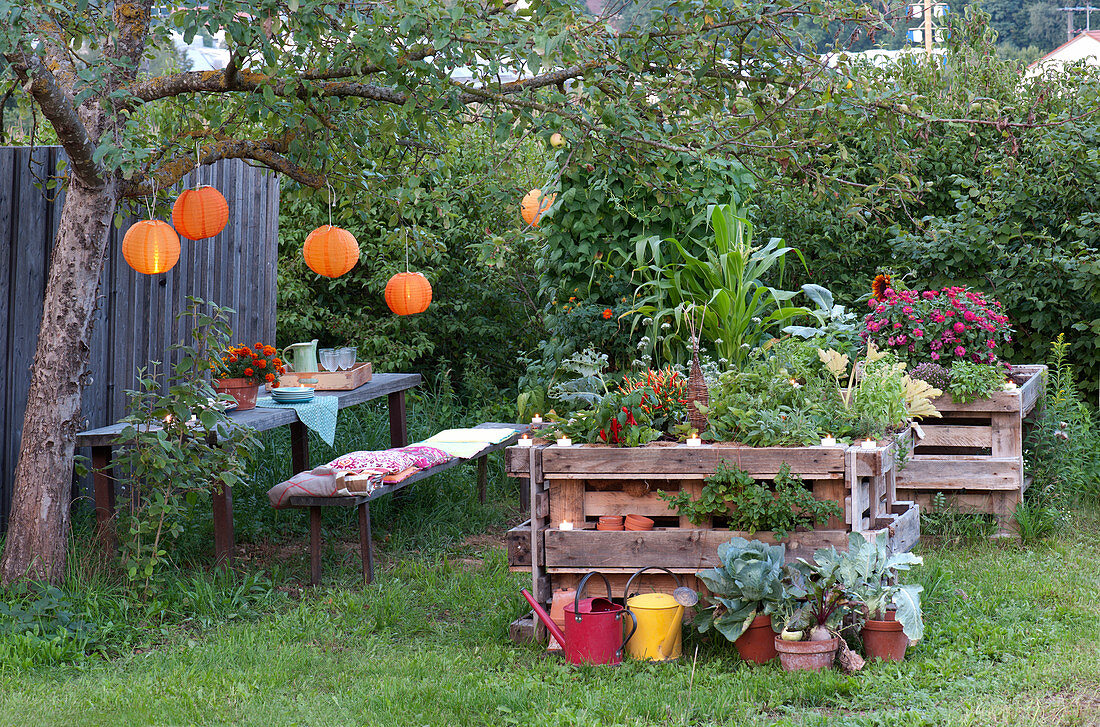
(151, 247)
(533, 205)
(331, 251)
(200, 213)
(408, 294)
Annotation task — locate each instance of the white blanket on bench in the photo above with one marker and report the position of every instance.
(465, 443)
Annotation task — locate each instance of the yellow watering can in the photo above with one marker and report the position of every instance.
(659, 636)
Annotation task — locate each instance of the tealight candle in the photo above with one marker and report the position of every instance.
(694, 442)
(525, 441)
(828, 441)
(868, 444)
(565, 442)
(537, 419)
(565, 525)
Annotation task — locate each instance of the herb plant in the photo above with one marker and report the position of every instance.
(972, 381)
(752, 505)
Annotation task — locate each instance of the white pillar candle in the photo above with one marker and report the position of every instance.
(828, 441)
(565, 525)
(1010, 386)
(694, 442)
(868, 444)
(537, 419)
(565, 442)
(525, 441)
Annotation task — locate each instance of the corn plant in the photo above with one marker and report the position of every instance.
(722, 286)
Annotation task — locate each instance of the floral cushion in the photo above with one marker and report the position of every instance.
(390, 460)
(426, 456)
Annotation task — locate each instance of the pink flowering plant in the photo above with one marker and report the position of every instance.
(941, 326)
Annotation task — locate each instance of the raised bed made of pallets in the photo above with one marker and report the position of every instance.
(578, 484)
(974, 454)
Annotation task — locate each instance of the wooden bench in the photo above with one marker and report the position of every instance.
(362, 502)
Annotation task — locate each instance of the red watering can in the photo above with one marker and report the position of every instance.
(593, 626)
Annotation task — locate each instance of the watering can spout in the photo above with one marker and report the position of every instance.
(545, 618)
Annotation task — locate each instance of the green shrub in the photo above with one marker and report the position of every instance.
(460, 217)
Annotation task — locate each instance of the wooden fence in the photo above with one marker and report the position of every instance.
(135, 316)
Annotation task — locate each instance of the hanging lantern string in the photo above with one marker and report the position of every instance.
(331, 194)
(153, 206)
(197, 182)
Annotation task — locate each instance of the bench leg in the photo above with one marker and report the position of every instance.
(482, 478)
(399, 431)
(314, 546)
(104, 484)
(365, 543)
(299, 448)
(222, 502)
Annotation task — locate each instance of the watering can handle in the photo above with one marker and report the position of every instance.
(580, 590)
(626, 591)
(634, 620)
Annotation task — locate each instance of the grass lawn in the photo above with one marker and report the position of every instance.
(1013, 637)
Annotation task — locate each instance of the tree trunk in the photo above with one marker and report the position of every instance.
(38, 529)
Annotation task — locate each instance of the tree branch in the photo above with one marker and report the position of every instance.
(269, 152)
(60, 110)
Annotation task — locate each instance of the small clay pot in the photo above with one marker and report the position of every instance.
(884, 639)
(806, 655)
(637, 522)
(243, 390)
(757, 644)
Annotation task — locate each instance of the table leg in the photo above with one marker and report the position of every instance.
(299, 448)
(315, 546)
(399, 431)
(222, 501)
(482, 478)
(365, 543)
(104, 485)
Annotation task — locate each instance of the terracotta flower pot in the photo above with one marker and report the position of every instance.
(806, 655)
(884, 639)
(757, 644)
(243, 390)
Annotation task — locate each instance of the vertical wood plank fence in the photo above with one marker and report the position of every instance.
(135, 318)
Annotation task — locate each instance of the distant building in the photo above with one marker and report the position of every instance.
(1085, 47)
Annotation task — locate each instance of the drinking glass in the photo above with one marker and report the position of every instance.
(329, 359)
(347, 356)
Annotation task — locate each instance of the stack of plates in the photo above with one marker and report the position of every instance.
(292, 394)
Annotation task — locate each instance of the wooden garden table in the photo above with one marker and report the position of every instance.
(101, 441)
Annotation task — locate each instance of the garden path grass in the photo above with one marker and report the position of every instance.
(1013, 638)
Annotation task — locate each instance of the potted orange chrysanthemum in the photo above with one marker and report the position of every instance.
(244, 370)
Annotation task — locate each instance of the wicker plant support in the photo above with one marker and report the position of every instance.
(697, 392)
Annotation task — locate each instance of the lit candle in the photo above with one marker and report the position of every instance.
(694, 442)
(525, 441)
(868, 444)
(1010, 386)
(565, 442)
(565, 525)
(537, 419)
(828, 441)
(795, 384)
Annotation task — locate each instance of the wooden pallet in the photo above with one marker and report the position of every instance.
(578, 484)
(974, 454)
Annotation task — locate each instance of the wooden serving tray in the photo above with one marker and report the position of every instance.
(352, 378)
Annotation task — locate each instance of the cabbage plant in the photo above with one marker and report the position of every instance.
(749, 583)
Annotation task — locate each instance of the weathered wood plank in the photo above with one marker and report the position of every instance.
(938, 472)
(951, 435)
(677, 548)
(681, 460)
